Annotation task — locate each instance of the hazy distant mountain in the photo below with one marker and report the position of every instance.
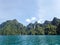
(13, 27)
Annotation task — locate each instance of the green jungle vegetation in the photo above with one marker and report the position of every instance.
(13, 27)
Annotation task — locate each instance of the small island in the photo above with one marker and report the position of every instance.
(13, 27)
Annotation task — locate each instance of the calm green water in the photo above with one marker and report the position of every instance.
(30, 40)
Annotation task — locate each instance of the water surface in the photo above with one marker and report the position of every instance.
(30, 40)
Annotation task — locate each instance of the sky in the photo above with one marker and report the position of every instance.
(29, 11)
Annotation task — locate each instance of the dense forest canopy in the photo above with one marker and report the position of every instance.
(13, 27)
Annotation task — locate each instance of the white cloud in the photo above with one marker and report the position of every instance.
(33, 18)
(38, 21)
(28, 20)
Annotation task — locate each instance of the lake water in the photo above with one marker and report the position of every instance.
(30, 40)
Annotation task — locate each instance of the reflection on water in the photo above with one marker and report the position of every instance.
(30, 40)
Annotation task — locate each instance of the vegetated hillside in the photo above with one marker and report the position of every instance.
(13, 27)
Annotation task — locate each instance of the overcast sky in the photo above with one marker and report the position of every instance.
(27, 11)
